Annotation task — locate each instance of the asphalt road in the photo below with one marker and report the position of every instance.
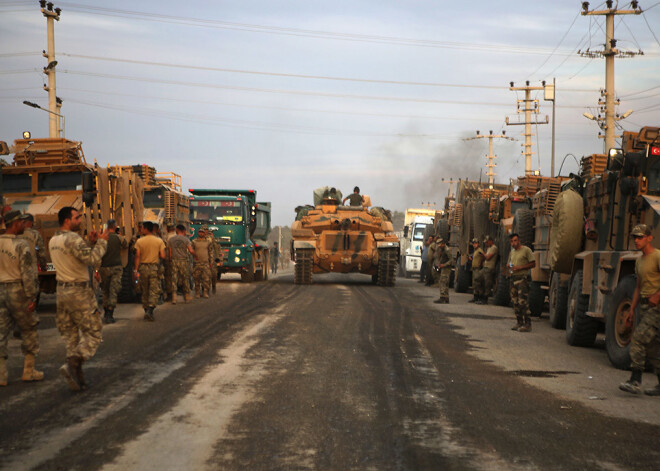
(339, 375)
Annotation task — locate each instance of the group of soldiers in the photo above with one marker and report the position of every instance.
(161, 265)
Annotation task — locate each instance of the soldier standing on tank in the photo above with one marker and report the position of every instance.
(180, 249)
(489, 268)
(478, 283)
(202, 267)
(645, 343)
(111, 272)
(78, 318)
(18, 294)
(149, 250)
(521, 260)
(355, 198)
(443, 263)
(167, 263)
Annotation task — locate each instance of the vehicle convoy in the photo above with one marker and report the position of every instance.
(164, 201)
(416, 228)
(590, 241)
(343, 239)
(239, 224)
(48, 174)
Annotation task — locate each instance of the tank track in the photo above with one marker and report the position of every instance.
(388, 260)
(304, 261)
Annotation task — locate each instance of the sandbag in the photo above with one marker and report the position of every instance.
(566, 231)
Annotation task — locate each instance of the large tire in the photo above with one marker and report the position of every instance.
(248, 275)
(304, 262)
(558, 301)
(581, 330)
(127, 292)
(480, 210)
(463, 279)
(502, 296)
(503, 247)
(387, 261)
(619, 329)
(536, 299)
(442, 229)
(523, 225)
(566, 231)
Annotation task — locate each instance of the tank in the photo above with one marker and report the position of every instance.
(332, 238)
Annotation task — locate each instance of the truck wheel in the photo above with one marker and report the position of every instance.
(566, 231)
(558, 297)
(266, 268)
(536, 299)
(581, 330)
(462, 284)
(248, 276)
(442, 229)
(523, 225)
(480, 209)
(304, 260)
(619, 328)
(502, 296)
(386, 267)
(127, 292)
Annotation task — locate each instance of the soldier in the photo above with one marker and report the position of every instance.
(18, 293)
(180, 249)
(168, 262)
(645, 343)
(149, 250)
(111, 271)
(202, 267)
(478, 281)
(443, 263)
(488, 270)
(355, 198)
(274, 258)
(521, 260)
(430, 272)
(216, 255)
(423, 269)
(78, 318)
(36, 241)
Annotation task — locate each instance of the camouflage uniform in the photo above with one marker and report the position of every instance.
(167, 265)
(78, 318)
(443, 257)
(519, 285)
(37, 244)
(110, 285)
(201, 267)
(489, 271)
(432, 274)
(216, 254)
(478, 281)
(18, 288)
(181, 275)
(645, 344)
(150, 284)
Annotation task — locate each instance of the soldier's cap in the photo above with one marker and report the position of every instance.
(29, 217)
(12, 216)
(641, 230)
(204, 227)
(487, 238)
(475, 241)
(440, 240)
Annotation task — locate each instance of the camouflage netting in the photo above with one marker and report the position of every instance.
(379, 212)
(301, 211)
(324, 192)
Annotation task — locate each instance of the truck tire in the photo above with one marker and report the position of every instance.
(304, 260)
(480, 210)
(523, 225)
(386, 267)
(463, 278)
(127, 292)
(442, 229)
(581, 330)
(503, 248)
(558, 301)
(618, 332)
(502, 295)
(536, 299)
(248, 275)
(566, 231)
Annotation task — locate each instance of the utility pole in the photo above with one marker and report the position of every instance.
(609, 52)
(491, 157)
(529, 106)
(54, 103)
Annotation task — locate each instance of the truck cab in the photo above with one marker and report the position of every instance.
(414, 233)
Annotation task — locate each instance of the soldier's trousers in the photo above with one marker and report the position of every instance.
(13, 309)
(181, 275)
(519, 290)
(645, 343)
(167, 275)
(489, 280)
(202, 276)
(110, 285)
(444, 284)
(478, 281)
(78, 320)
(150, 283)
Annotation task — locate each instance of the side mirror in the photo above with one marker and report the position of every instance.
(405, 231)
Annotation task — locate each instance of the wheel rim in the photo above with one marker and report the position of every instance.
(623, 326)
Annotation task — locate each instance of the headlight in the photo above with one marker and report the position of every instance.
(236, 259)
(238, 251)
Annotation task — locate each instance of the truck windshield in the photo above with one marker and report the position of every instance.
(418, 233)
(216, 212)
(17, 183)
(153, 198)
(61, 181)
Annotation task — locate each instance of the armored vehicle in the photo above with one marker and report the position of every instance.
(343, 239)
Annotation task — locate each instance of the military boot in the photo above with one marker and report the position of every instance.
(439, 301)
(188, 297)
(206, 294)
(3, 372)
(634, 384)
(173, 298)
(108, 316)
(69, 372)
(474, 299)
(654, 391)
(80, 375)
(149, 314)
(29, 373)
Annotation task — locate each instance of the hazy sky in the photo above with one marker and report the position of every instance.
(287, 96)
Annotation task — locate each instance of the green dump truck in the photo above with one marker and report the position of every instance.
(239, 224)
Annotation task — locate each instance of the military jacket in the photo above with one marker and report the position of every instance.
(18, 264)
(71, 256)
(443, 257)
(36, 243)
(478, 258)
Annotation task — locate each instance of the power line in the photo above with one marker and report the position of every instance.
(557, 46)
(649, 26)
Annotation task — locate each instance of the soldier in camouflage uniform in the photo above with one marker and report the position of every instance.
(36, 241)
(489, 269)
(167, 263)
(202, 267)
(215, 247)
(443, 263)
(521, 260)
(111, 272)
(180, 250)
(149, 251)
(478, 281)
(78, 318)
(18, 293)
(645, 343)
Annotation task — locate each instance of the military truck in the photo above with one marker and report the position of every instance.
(48, 174)
(343, 239)
(601, 268)
(239, 224)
